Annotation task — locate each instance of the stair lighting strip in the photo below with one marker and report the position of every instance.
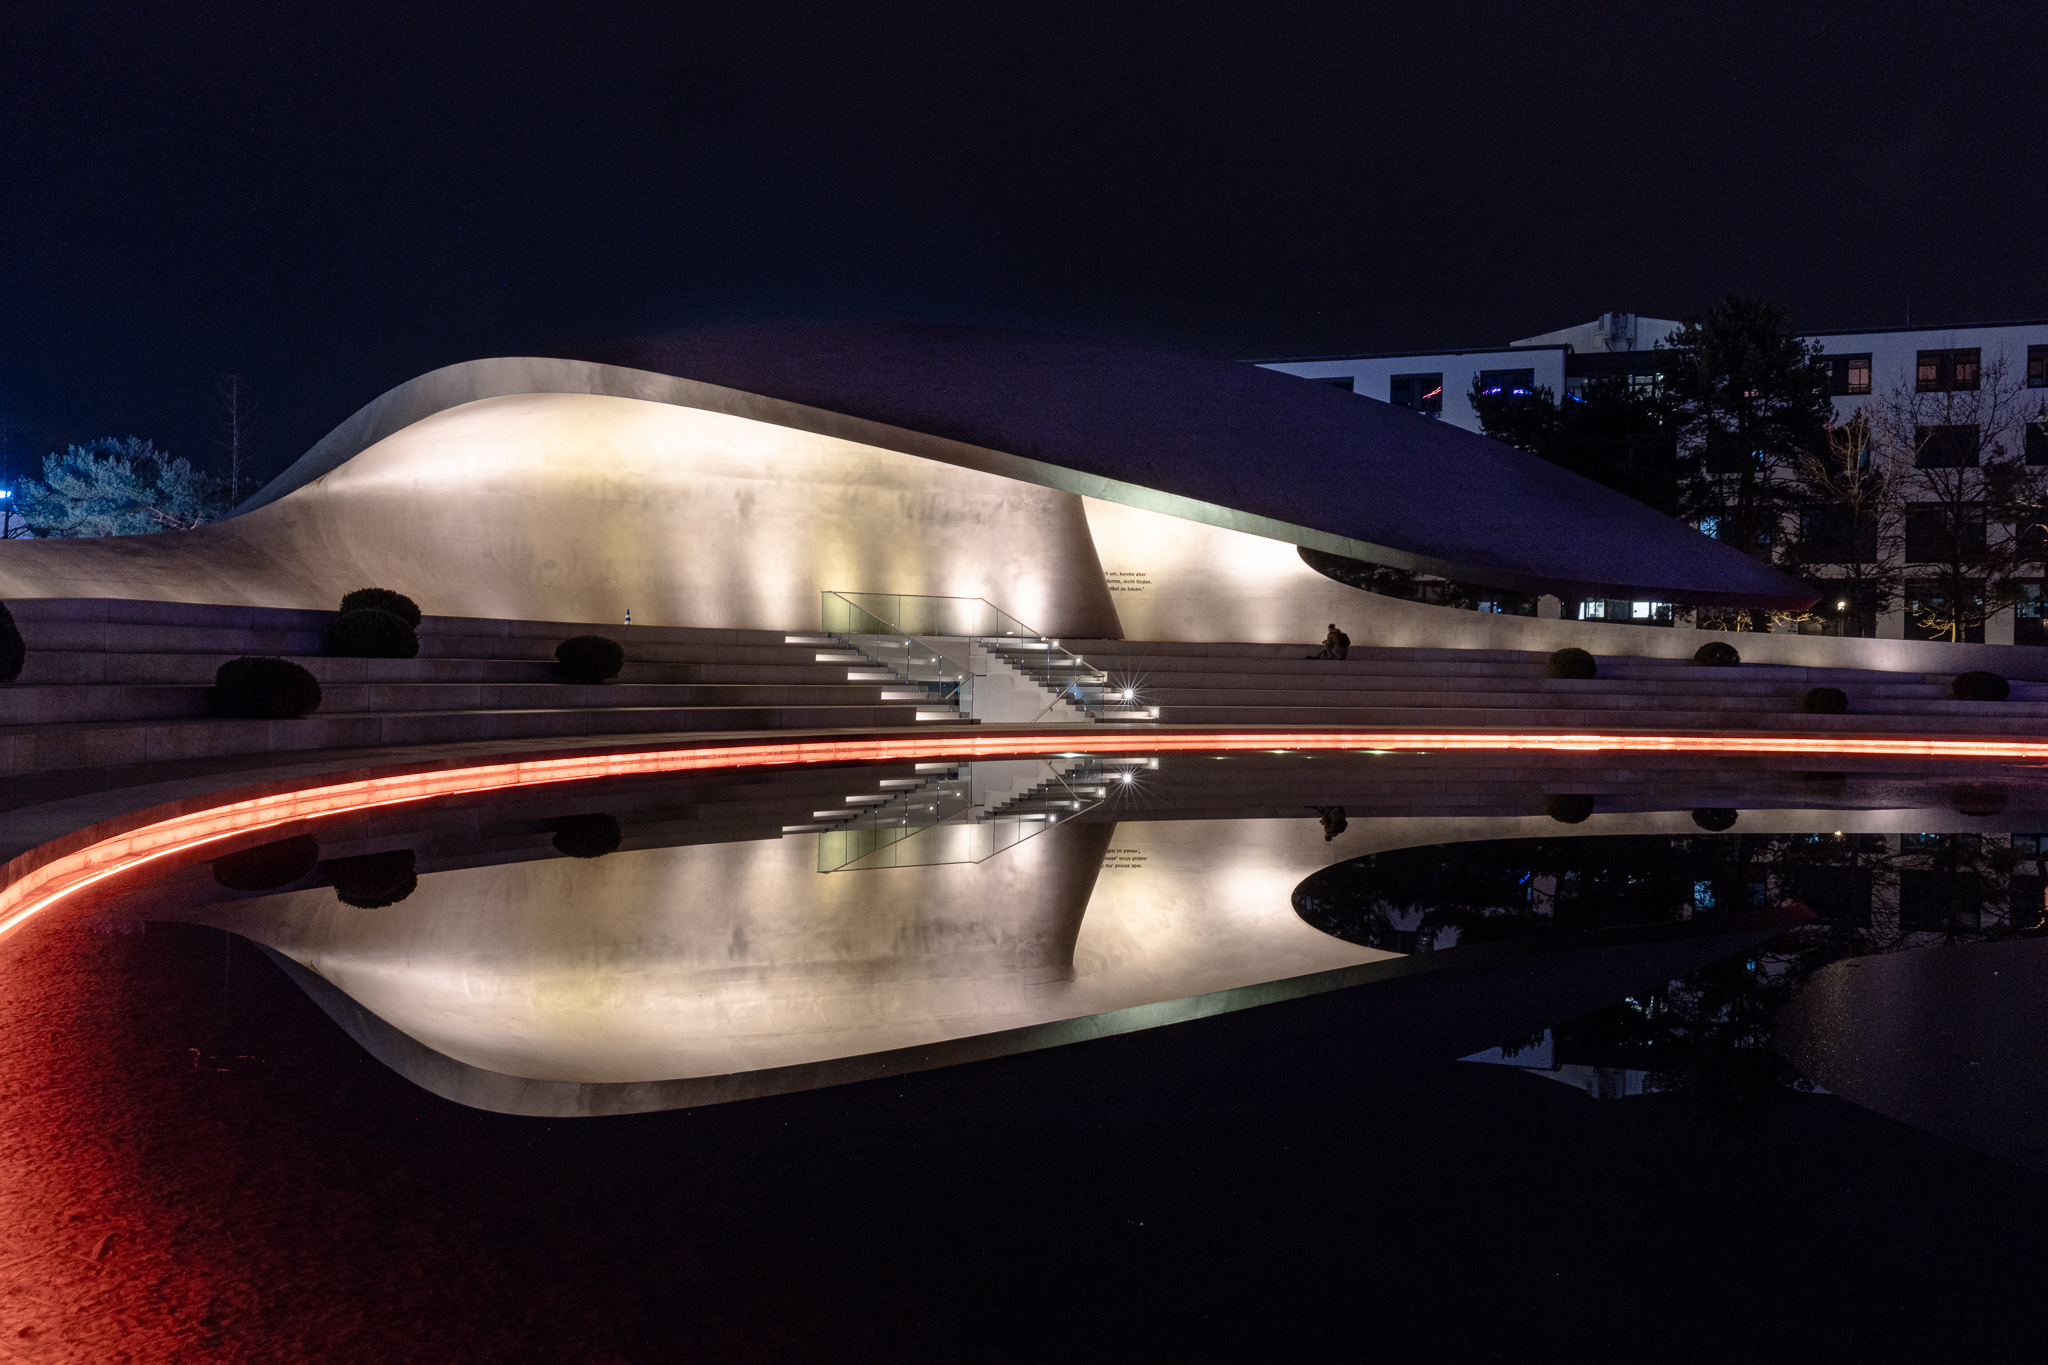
(65, 875)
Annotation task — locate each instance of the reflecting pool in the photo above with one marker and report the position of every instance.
(677, 939)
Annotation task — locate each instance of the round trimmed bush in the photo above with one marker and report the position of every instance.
(13, 653)
(268, 866)
(1979, 801)
(587, 836)
(373, 880)
(383, 599)
(1826, 701)
(370, 633)
(264, 689)
(590, 658)
(1979, 686)
(1567, 809)
(1573, 662)
(1717, 654)
(1714, 819)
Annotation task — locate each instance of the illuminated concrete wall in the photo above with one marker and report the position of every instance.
(578, 507)
(1173, 579)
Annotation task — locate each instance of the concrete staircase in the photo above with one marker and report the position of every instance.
(117, 683)
(1237, 684)
(114, 683)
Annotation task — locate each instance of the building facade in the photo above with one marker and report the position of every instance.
(1993, 376)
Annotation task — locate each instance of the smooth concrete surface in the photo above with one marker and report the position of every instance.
(1231, 445)
(583, 507)
(563, 490)
(1177, 580)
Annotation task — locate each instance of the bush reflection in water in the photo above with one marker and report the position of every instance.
(1705, 1038)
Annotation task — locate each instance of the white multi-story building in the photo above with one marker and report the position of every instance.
(1867, 366)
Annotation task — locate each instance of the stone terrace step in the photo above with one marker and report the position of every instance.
(42, 748)
(1989, 719)
(105, 625)
(1175, 703)
(1612, 669)
(30, 705)
(91, 668)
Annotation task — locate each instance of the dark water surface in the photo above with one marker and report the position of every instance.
(1753, 1093)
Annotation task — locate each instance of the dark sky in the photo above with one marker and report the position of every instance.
(330, 200)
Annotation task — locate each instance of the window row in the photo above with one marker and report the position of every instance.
(1956, 370)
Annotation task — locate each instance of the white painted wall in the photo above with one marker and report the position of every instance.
(1895, 354)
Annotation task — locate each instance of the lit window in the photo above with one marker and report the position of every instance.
(1948, 371)
(1507, 383)
(1423, 393)
(1851, 373)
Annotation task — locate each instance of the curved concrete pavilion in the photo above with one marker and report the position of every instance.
(723, 478)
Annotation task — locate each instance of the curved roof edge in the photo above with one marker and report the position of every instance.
(471, 381)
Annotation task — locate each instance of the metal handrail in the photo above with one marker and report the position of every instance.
(879, 640)
(905, 617)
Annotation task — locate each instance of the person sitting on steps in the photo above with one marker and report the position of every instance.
(1335, 645)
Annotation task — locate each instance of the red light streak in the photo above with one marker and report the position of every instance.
(62, 876)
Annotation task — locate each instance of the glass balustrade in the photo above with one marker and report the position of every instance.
(907, 634)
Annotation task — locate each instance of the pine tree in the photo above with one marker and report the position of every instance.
(112, 487)
(1749, 402)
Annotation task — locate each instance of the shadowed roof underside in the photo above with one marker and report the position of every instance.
(1218, 442)
(1286, 455)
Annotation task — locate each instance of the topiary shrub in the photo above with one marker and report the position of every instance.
(1979, 801)
(590, 658)
(1714, 819)
(1979, 686)
(1826, 701)
(1717, 654)
(264, 689)
(587, 836)
(372, 634)
(13, 653)
(268, 866)
(1573, 662)
(373, 880)
(383, 599)
(1567, 809)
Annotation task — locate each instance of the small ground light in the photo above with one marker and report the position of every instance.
(1130, 777)
(1128, 694)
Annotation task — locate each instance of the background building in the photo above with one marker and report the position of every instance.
(1991, 380)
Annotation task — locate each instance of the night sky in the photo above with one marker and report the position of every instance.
(330, 200)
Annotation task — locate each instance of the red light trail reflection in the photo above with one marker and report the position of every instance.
(47, 881)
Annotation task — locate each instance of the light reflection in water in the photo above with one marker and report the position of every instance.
(709, 955)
